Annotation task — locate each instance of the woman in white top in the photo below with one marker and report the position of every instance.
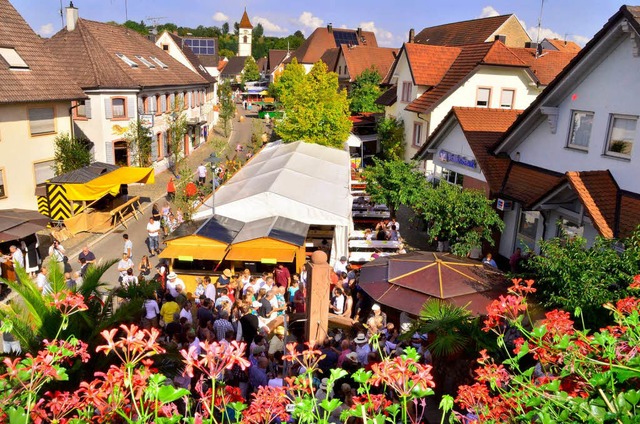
(186, 312)
(151, 313)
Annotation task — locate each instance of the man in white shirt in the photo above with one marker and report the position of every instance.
(209, 289)
(16, 256)
(153, 229)
(202, 174)
(172, 282)
(124, 264)
(338, 302)
(43, 282)
(340, 266)
(128, 246)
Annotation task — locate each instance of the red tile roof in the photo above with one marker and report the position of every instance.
(473, 31)
(598, 193)
(429, 64)
(389, 97)
(191, 56)
(546, 66)
(321, 40)
(359, 58)
(468, 59)
(501, 55)
(527, 183)
(629, 215)
(330, 58)
(244, 22)
(275, 58)
(90, 58)
(563, 45)
(46, 79)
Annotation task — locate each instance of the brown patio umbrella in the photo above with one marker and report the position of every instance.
(20, 223)
(406, 282)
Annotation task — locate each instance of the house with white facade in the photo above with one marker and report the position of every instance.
(583, 132)
(427, 79)
(126, 77)
(35, 108)
(200, 54)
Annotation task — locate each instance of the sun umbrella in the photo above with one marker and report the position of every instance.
(20, 223)
(405, 282)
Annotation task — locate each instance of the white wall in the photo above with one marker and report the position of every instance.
(174, 50)
(456, 142)
(612, 87)
(19, 150)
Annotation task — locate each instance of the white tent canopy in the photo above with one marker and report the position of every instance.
(301, 181)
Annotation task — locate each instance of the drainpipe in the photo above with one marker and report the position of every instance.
(71, 119)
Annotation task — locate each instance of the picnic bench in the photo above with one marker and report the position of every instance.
(119, 213)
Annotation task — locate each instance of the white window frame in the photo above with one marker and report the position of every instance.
(416, 137)
(145, 62)
(3, 184)
(159, 62)
(124, 108)
(478, 100)
(573, 129)
(13, 59)
(50, 173)
(612, 118)
(126, 60)
(44, 131)
(407, 89)
(513, 96)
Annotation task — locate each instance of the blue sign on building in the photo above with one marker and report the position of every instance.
(445, 156)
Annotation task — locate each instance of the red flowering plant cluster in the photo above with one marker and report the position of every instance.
(554, 371)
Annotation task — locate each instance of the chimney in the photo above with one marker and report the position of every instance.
(412, 35)
(501, 38)
(72, 17)
(330, 27)
(359, 32)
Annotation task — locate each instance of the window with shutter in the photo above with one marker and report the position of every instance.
(118, 107)
(154, 148)
(108, 152)
(163, 103)
(43, 171)
(42, 120)
(87, 108)
(108, 113)
(3, 184)
(131, 107)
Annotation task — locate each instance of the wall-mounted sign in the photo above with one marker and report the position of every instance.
(445, 156)
(147, 120)
(504, 205)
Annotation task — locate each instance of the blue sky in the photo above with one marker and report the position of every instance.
(391, 20)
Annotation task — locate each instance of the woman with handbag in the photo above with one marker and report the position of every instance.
(144, 268)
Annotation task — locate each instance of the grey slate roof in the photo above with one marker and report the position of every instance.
(85, 174)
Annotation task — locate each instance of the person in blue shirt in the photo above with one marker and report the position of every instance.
(488, 260)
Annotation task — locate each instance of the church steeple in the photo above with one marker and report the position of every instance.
(244, 35)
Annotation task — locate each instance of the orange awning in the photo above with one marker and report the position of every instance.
(260, 255)
(214, 253)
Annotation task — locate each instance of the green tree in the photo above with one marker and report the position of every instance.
(227, 106)
(571, 275)
(225, 28)
(226, 53)
(250, 71)
(137, 26)
(395, 183)
(70, 153)
(139, 139)
(364, 92)
(258, 32)
(176, 130)
(391, 135)
(465, 218)
(315, 111)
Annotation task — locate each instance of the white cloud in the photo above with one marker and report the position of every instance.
(220, 17)
(384, 37)
(268, 26)
(488, 11)
(308, 20)
(544, 32)
(580, 39)
(46, 30)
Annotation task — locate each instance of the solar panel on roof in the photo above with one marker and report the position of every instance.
(345, 37)
(201, 46)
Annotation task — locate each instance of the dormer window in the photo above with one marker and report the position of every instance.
(126, 60)
(13, 59)
(145, 62)
(159, 62)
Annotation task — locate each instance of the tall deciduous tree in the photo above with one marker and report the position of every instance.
(227, 107)
(250, 71)
(70, 153)
(315, 110)
(391, 135)
(395, 183)
(364, 92)
(465, 218)
(176, 130)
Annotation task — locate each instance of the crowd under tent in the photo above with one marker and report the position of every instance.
(98, 190)
(300, 181)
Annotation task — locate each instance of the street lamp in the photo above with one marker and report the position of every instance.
(213, 160)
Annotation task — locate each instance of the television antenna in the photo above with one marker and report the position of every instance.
(539, 25)
(154, 21)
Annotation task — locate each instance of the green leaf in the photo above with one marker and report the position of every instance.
(168, 394)
(17, 415)
(632, 396)
(446, 404)
(361, 376)
(625, 374)
(330, 406)
(539, 332)
(564, 343)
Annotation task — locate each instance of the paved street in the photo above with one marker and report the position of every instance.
(110, 245)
